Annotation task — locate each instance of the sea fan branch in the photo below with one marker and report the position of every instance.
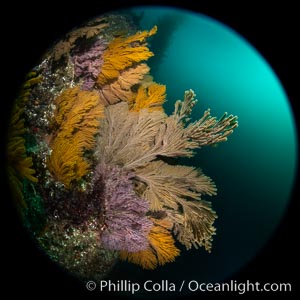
(161, 247)
(168, 185)
(77, 117)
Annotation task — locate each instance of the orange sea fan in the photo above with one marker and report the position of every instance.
(161, 247)
(121, 88)
(19, 164)
(77, 116)
(64, 104)
(151, 97)
(122, 53)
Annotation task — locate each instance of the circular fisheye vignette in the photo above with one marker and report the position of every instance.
(65, 169)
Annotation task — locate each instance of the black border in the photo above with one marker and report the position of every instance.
(28, 30)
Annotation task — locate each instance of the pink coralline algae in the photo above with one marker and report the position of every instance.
(87, 64)
(126, 224)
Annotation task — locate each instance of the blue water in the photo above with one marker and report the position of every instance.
(255, 170)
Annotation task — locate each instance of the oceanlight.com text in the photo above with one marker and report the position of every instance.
(187, 286)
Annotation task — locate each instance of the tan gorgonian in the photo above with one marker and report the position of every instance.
(138, 140)
(170, 185)
(132, 139)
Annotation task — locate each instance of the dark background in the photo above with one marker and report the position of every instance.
(26, 32)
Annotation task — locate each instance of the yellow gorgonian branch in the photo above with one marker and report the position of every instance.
(19, 164)
(122, 53)
(77, 118)
(150, 97)
(161, 249)
(121, 89)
